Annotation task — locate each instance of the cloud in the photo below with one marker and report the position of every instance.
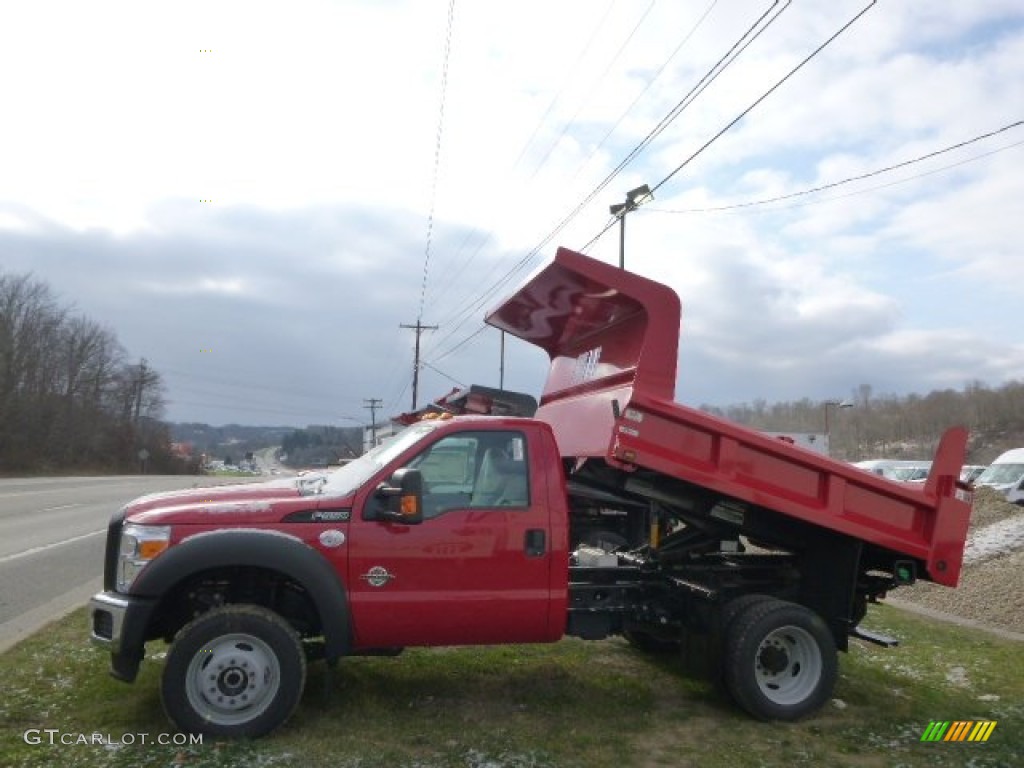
(314, 132)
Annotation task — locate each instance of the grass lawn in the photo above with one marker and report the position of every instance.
(571, 704)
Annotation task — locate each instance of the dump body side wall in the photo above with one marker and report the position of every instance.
(926, 523)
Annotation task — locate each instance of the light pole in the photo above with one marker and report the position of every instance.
(634, 199)
(835, 404)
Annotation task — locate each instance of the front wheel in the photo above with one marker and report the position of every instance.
(780, 660)
(236, 671)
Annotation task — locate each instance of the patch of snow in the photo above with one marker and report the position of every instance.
(957, 676)
(1004, 536)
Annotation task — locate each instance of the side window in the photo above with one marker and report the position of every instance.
(448, 468)
(503, 479)
(474, 470)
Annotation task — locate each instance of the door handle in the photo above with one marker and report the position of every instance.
(536, 542)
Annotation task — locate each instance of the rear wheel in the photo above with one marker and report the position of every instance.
(737, 606)
(780, 660)
(236, 671)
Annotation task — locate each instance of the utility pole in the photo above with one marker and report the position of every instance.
(419, 328)
(139, 381)
(501, 368)
(373, 403)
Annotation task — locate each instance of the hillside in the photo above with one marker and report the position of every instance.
(866, 425)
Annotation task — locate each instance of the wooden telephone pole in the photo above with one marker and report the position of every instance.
(419, 328)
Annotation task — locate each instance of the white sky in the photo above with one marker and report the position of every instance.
(312, 128)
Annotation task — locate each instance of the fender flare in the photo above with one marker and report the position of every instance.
(266, 549)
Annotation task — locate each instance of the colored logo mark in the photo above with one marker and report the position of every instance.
(959, 730)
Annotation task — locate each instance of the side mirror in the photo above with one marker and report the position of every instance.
(403, 497)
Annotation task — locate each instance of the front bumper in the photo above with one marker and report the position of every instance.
(119, 623)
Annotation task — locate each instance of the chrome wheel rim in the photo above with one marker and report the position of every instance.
(233, 679)
(788, 665)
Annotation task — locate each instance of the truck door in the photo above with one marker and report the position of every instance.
(476, 570)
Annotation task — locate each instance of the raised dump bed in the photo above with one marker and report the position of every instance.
(613, 336)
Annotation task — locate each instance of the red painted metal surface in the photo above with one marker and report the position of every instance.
(460, 578)
(606, 332)
(463, 577)
(612, 337)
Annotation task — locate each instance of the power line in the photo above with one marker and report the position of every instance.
(765, 95)
(286, 412)
(751, 34)
(748, 110)
(438, 371)
(586, 99)
(565, 82)
(870, 174)
(462, 343)
(647, 86)
(454, 276)
(236, 384)
(760, 25)
(437, 156)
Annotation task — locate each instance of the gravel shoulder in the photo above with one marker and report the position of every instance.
(991, 590)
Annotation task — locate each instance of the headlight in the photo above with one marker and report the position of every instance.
(139, 545)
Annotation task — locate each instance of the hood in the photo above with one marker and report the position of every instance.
(996, 486)
(248, 503)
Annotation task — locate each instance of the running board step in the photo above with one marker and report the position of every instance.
(874, 637)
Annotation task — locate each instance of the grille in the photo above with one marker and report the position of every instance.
(113, 546)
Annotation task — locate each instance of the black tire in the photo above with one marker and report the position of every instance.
(726, 617)
(237, 671)
(737, 606)
(780, 660)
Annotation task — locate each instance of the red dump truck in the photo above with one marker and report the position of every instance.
(611, 511)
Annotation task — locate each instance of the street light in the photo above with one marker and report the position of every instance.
(634, 199)
(835, 404)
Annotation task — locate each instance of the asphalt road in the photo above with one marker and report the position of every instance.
(51, 542)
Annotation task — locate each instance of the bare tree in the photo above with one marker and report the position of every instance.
(66, 395)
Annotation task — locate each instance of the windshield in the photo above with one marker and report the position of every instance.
(345, 480)
(1001, 474)
(907, 474)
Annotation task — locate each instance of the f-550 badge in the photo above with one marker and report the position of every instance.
(377, 576)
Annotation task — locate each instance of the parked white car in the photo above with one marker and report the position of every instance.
(970, 472)
(1006, 475)
(902, 471)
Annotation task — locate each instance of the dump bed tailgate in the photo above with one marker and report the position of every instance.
(612, 337)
